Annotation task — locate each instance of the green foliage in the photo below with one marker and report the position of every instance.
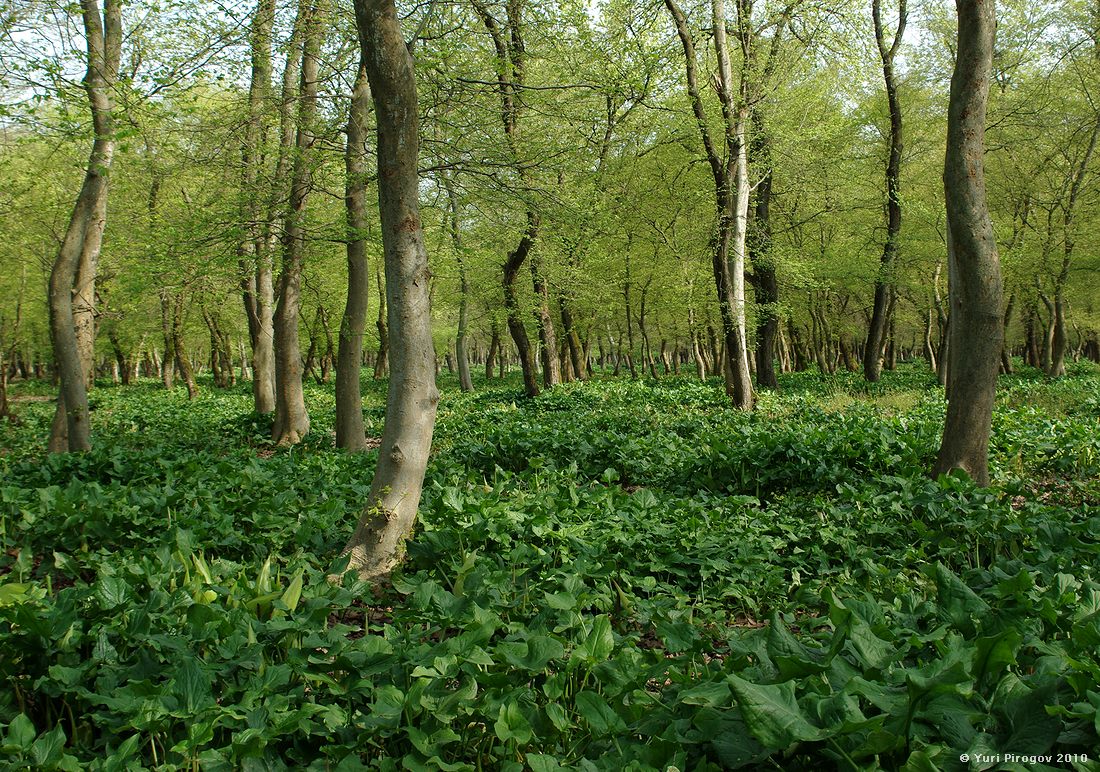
(616, 575)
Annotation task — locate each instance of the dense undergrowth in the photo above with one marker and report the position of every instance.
(615, 575)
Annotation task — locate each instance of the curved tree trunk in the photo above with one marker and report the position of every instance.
(511, 70)
(511, 305)
(350, 434)
(72, 278)
(291, 418)
(874, 348)
(378, 542)
(975, 290)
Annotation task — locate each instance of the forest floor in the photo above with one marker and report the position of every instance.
(614, 575)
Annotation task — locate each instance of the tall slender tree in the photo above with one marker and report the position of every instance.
(729, 170)
(461, 354)
(378, 542)
(511, 64)
(875, 346)
(349, 402)
(291, 417)
(257, 286)
(974, 267)
(72, 279)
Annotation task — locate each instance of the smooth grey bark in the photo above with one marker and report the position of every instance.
(875, 345)
(72, 278)
(975, 288)
(291, 417)
(275, 221)
(378, 542)
(254, 255)
(350, 434)
(464, 380)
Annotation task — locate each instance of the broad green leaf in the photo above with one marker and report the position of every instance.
(793, 658)
(710, 694)
(13, 593)
(959, 603)
(111, 592)
(772, 714)
(49, 748)
(21, 732)
(192, 686)
(540, 762)
(511, 724)
(560, 600)
(600, 641)
(599, 715)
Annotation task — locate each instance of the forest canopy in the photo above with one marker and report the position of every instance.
(606, 153)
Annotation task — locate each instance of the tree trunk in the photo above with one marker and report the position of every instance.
(629, 318)
(291, 418)
(975, 271)
(511, 305)
(381, 362)
(1058, 336)
(387, 521)
(494, 345)
(548, 341)
(464, 381)
(1006, 356)
(765, 284)
(511, 64)
(874, 348)
(254, 255)
(731, 193)
(179, 353)
(350, 434)
(573, 341)
(943, 319)
(72, 278)
(929, 348)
